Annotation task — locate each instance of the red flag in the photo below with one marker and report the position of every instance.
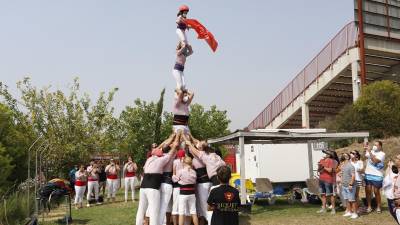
(202, 33)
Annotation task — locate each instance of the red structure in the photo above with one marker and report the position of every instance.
(230, 158)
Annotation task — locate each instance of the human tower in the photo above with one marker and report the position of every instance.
(181, 171)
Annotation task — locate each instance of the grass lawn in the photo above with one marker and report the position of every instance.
(278, 214)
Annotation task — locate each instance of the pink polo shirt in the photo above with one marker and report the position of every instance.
(197, 163)
(178, 164)
(186, 176)
(168, 166)
(212, 162)
(156, 164)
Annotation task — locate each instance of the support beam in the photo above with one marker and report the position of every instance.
(310, 161)
(305, 116)
(243, 192)
(356, 80)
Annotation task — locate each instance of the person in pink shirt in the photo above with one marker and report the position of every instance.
(129, 171)
(203, 182)
(153, 174)
(80, 186)
(182, 52)
(208, 157)
(93, 182)
(178, 165)
(182, 102)
(166, 190)
(186, 177)
(112, 171)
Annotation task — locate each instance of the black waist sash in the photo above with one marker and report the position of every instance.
(215, 181)
(202, 176)
(181, 120)
(188, 189)
(179, 67)
(167, 178)
(152, 180)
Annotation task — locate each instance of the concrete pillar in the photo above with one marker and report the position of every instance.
(356, 80)
(305, 116)
(243, 192)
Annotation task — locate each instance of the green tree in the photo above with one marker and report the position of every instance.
(210, 123)
(158, 122)
(377, 111)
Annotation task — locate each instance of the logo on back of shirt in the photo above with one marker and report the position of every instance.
(229, 196)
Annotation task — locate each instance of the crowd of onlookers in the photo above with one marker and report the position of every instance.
(345, 176)
(97, 177)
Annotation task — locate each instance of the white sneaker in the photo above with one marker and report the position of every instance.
(347, 214)
(88, 205)
(354, 216)
(333, 212)
(322, 210)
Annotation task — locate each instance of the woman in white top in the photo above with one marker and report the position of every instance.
(388, 188)
(129, 171)
(80, 186)
(359, 173)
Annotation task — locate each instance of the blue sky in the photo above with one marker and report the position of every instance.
(130, 45)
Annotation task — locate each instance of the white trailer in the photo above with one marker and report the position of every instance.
(282, 163)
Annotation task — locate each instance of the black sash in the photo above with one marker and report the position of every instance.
(152, 180)
(215, 181)
(202, 176)
(188, 189)
(167, 178)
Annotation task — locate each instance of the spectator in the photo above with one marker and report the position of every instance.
(388, 187)
(396, 188)
(349, 189)
(72, 173)
(327, 177)
(102, 178)
(374, 174)
(338, 185)
(359, 172)
(224, 200)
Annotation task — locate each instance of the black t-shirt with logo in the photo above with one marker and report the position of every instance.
(225, 200)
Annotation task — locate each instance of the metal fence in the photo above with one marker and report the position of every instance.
(344, 40)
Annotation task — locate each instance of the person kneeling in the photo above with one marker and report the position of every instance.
(224, 200)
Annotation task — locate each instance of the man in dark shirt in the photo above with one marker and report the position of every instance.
(102, 179)
(224, 200)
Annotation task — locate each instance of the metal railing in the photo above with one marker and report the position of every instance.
(344, 40)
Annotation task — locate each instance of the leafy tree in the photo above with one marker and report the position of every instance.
(210, 123)
(377, 111)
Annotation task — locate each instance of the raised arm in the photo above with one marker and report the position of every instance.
(168, 141)
(192, 149)
(190, 97)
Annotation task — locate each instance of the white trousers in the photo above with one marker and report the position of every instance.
(150, 201)
(165, 200)
(187, 203)
(112, 187)
(130, 182)
(182, 35)
(179, 78)
(79, 193)
(202, 192)
(93, 186)
(398, 214)
(175, 202)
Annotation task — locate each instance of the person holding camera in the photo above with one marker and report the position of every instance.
(327, 179)
(93, 182)
(374, 174)
(112, 171)
(80, 186)
(129, 171)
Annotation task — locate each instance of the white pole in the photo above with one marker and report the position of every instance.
(243, 192)
(29, 171)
